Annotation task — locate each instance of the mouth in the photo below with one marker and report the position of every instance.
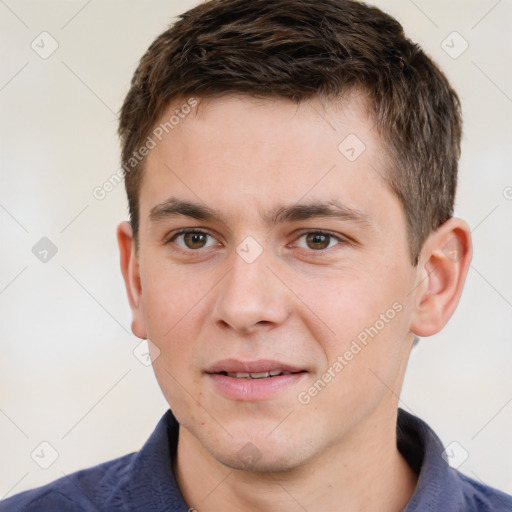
(253, 380)
(258, 369)
(257, 375)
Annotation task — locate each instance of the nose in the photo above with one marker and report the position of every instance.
(251, 297)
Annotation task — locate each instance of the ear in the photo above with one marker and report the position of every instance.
(131, 276)
(442, 270)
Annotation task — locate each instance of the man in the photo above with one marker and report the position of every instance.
(290, 169)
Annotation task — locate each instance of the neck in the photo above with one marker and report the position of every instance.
(364, 472)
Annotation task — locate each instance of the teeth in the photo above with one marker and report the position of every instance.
(259, 375)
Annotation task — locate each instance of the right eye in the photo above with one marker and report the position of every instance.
(193, 240)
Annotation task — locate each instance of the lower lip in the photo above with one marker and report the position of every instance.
(254, 389)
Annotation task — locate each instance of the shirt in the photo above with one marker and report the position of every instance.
(144, 481)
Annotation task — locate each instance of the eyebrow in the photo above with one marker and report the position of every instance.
(174, 207)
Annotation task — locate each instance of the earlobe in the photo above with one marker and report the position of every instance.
(132, 278)
(444, 263)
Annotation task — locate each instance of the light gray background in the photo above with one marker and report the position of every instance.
(68, 373)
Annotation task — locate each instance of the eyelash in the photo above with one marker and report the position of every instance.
(340, 239)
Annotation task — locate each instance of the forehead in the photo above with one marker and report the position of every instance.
(238, 151)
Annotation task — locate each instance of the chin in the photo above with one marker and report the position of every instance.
(259, 454)
(260, 463)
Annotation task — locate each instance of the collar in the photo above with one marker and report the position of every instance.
(439, 487)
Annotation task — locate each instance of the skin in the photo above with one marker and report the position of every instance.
(299, 302)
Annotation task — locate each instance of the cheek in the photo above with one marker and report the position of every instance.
(179, 388)
(174, 315)
(343, 304)
(363, 320)
(171, 298)
(174, 307)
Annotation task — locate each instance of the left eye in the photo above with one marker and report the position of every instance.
(194, 240)
(317, 240)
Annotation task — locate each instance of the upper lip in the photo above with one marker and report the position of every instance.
(258, 366)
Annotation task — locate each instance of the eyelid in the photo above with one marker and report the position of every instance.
(183, 231)
(342, 239)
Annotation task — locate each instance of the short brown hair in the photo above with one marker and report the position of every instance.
(299, 49)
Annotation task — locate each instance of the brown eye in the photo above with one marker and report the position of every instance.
(194, 240)
(317, 241)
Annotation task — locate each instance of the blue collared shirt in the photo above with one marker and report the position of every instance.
(144, 481)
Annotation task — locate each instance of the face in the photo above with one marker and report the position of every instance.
(273, 278)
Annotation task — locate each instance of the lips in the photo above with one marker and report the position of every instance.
(253, 380)
(258, 375)
(233, 367)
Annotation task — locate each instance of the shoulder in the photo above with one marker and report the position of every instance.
(440, 486)
(479, 497)
(83, 491)
(139, 481)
